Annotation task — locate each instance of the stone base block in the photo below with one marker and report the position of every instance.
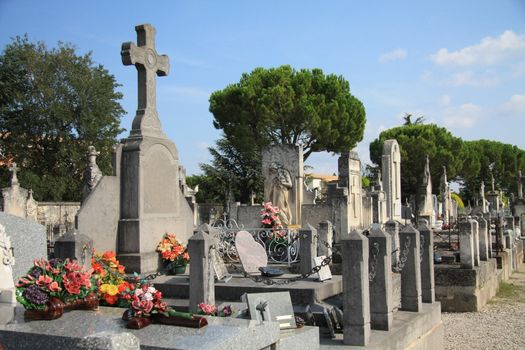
(466, 290)
(410, 330)
(306, 338)
(357, 335)
(71, 330)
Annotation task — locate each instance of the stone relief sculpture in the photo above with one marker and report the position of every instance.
(7, 287)
(279, 191)
(92, 174)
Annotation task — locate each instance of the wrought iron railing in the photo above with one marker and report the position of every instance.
(281, 246)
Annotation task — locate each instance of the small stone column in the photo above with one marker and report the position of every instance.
(475, 236)
(483, 240)
(427, 264)
(466, 244)
(307, 248)
(411, 273)
(202, 279)
(392, 228)
(356, 293)
(326, 235)
(380, 266)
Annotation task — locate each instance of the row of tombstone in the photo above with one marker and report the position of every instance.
(367, 279)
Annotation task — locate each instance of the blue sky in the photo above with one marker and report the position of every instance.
(461, 64)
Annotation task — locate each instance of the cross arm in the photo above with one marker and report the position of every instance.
(131, 54)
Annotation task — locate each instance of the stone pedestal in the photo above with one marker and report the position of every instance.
(392, 228)
(356, 293)
(466, 244)
(427, 264)
(151, 201)
(307, 248)
(202, 275)
(484, 244)
(475, 237)
(411, 270)
(380, 266)
(326, 237)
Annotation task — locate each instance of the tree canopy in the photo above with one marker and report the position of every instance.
(53, 105)
(287, 106)
(467, 162)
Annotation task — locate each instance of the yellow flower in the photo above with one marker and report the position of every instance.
(109, 289)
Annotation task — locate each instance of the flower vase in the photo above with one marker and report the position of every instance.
(54, 309)
(90, 302)
(178, 269)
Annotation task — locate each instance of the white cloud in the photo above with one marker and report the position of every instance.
(489, 51)
(468, 78)
(515, 106)
(445, 100)
(462, 117)
(394, 55)
(426, 75)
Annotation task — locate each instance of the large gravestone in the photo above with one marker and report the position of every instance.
(28, 240)
(282, 167)
(349, 169)
(151, 201)
(391, 169)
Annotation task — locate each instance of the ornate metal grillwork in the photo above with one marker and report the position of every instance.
(282, 246)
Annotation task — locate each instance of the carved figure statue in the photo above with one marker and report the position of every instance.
(7, 286)
(92, 174)
(279, 191)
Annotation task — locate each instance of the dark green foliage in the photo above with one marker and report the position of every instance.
(468, 162)
(231, 173)
(53, 105)
(280, 106)
(285, 106)
(503, 161)
(416, 141)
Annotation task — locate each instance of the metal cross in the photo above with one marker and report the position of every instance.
(148, 64)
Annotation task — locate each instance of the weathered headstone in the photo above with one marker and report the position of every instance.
(391, 170)
(380, 266)
(251, 253)
(326, 238)
(22, 231)
(426, 207)
(356, 292)
(307, 248)
(202, 279)
(276, 307)
(411, 270)
(349, 169)
(392, 228)
(15, 197)
(74, 246)
(7, 260)
(483, 239)
(283, 171)
(151, 201)
(466, 244)
(427, 264)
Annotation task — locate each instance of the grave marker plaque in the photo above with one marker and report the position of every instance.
(276, 307)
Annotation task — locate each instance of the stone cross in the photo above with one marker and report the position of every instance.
(14, 178)
(148, 64)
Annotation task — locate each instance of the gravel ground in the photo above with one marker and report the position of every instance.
(499, 325)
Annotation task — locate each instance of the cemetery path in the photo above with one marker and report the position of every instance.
(499, 325)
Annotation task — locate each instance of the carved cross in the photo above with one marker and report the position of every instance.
(14, 178)
(148, 64)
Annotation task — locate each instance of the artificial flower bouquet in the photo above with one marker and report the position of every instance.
(110, 276)
(172, 251)
(212, 310)
(51, 286)
(270, 220)
(148, 307)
